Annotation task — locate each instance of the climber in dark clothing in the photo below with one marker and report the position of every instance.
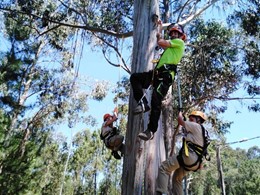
(161, 77)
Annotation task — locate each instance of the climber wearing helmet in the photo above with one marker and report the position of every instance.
(161, 77)
(110, 135)
(190, 156)
(176, 28)
(198, 116)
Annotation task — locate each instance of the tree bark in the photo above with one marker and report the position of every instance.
(141, 160)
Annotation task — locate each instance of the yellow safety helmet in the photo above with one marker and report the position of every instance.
(198, 113)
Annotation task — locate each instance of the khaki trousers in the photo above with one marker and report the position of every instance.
(168, 166)
(114, 143)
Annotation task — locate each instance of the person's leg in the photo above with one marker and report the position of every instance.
(161, 87)
(140, 81)
(156, 105)
(167, 166)
(116, 144)
(122, 149)
(116, 141)
(177, 180)
(161, 84)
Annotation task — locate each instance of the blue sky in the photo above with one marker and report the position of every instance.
(245, 125)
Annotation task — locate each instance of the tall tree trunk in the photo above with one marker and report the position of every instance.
(142, 159)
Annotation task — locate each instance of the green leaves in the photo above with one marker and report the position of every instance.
(210, 70)
(252, 59)
(240, 169)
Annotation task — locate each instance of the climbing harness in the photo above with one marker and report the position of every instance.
(186, 145)
(108, 135)
(202, 152)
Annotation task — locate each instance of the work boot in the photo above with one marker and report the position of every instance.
(141, 107)
(116, 155)
(146, 135)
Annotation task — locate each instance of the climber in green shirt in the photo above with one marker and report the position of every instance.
(161, 77)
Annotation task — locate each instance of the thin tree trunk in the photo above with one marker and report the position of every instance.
(220, 171)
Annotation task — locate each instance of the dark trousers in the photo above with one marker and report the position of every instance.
(162, 80)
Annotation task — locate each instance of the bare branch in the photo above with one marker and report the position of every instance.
(84, 27)
(235, 98)
(192, 16)
(198, 12)
(124, 66)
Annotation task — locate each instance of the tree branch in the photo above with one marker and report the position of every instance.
(84, 27)
(192, 16)
(117, 52)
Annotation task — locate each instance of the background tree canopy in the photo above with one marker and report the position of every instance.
(41, 88)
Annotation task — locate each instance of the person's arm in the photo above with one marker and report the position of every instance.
(160, 27)
(163, 43)
(114, 117)
(181, 120)
(160, 41)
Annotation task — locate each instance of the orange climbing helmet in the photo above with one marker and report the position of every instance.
(106, 116)
(199, 114)
(177, 27)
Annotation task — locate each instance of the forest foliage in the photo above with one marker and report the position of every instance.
(41, 88)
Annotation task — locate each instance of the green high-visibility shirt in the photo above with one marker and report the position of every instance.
(173, 54)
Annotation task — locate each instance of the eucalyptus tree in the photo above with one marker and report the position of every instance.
(84, 164)
(205, 59)
(240, 173)
(248, 175)
(111, 181)
(247, 19)
(34, 98)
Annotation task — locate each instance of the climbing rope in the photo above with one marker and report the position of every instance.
(156, 57)
(244, 140)
(236, 142)
(180, 107)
